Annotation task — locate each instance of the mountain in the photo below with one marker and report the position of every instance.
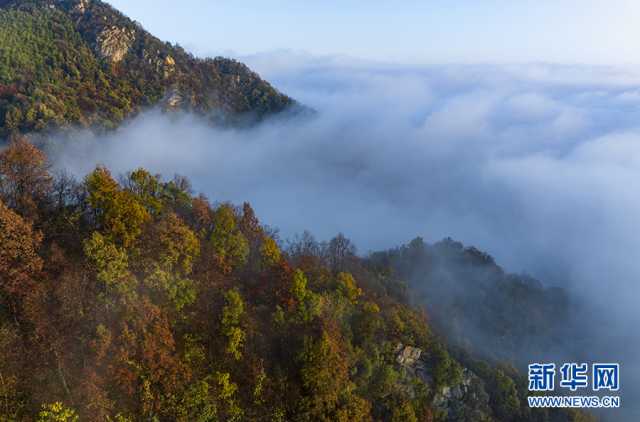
(82, 63)
(480, 307)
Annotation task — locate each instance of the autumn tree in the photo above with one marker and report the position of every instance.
(229, 244)
(147, 188)
(270, 252)
(231, 323)
(20, 263)
(118, 212)
(146, 366)
(166, 265)
(306, 304)
(249, 224)
(348, 288)
(329, 393)
(111, 264)
(57, 412)
(24, 177)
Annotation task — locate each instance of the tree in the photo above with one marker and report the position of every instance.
(177, 245)
(328, 392)
(167, 263)
(338, 251)
(504, 400)
(348, 288)
(24, 177)
(306, 304)
(225, 393)
(404, 413)
(145, 364)
(147, 188)
(119, 214)
(111, 264)
(57, 412)
(270, 252)
(367, 323)
(229, 244)
(202, 215)
(249, 223)
(446, 371)
(13, 401)
(304, 245)
(20, 263)
(231, 323)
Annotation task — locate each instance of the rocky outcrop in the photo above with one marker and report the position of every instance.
(407, 356)
(174, 100)
(81, 6)
(466, 402)
(410, 359)
(113, 43)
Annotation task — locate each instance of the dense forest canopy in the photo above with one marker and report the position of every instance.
(132, 299)
(82, 63)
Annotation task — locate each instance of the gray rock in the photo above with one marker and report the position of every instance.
(407, 356)
(114, 43)
(467, 401)
(81, 6)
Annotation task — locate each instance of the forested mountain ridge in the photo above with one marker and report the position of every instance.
(83, 63)
(135, 300)
(480, 307)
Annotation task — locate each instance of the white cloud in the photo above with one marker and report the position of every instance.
(537, 167)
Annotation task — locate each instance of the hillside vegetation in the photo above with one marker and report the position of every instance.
(481, 307)
(132, 300)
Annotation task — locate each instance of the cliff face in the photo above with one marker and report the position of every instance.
(84, 63)
(465, 401)
(114, 43)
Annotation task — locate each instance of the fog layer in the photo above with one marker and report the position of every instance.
(537, 165)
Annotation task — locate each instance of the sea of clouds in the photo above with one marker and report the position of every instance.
(538, 165)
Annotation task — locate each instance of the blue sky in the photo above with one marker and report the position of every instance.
(439, 31)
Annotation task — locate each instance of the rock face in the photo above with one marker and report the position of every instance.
(114, 43)
(466, 402)
(407, 355)
(174, 100)
(410, 359)
(81, 6)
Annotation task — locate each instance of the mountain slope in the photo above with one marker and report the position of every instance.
(136, 301)
(478, 306)
(81, 62)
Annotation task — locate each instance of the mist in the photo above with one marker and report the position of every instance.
(537, 165)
